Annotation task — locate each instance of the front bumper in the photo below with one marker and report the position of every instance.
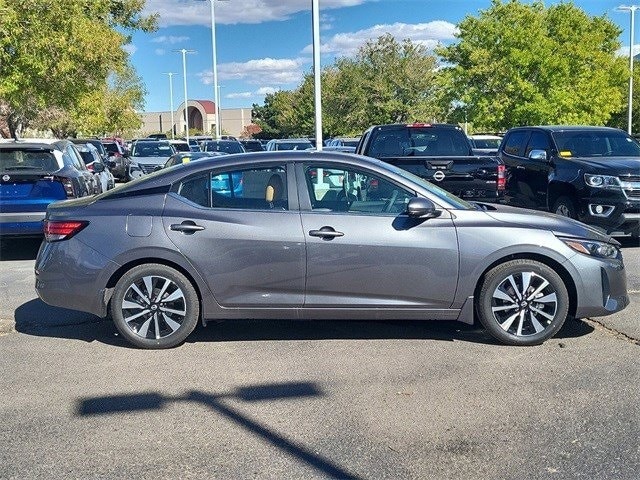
(610, 211)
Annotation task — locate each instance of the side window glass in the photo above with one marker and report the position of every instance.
(252, 189)
(538, 141)
(196, 189)
(75, 158)
(335, 189)
(514, 143)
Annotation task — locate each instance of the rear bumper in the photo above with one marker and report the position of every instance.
(21, 224)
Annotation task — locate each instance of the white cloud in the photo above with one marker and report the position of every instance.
(277, 71)
(239, 95)
(624, 51)
(170, 39)
(193, 12)
(428, 34)
(160, 51)
(130, 48)
(266, 91)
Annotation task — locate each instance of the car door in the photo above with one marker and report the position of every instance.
(537, 170)
(363, 251)
(240, 228)
(517, 191)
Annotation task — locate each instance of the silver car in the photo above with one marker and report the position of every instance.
(315, 235)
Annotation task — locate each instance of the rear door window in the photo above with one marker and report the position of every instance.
(515, 143)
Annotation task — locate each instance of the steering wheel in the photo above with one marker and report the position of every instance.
(387, 206)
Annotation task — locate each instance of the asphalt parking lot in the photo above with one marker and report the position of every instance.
(280, 399)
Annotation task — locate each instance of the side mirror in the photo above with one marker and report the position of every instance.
(98, 167)
(540, 155)
(422, 208)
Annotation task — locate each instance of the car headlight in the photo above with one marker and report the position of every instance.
(602, 181)
(593, 248)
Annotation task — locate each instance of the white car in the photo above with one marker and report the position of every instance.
(104, 179)
(485, 143)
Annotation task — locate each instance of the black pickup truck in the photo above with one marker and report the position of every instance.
(588, 173)
(439, 153)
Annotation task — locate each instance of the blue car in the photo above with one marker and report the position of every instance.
(34, 174)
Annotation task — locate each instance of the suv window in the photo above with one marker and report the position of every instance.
(514, 143)
(74, 157)
(338, 189)
(538, 141)
(251, 189)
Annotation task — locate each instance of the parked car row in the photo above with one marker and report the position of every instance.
(36, 172)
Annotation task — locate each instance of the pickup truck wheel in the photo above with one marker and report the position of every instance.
(522, 302)
(155, 306)
(565, 206)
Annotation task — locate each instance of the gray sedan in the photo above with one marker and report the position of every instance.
(316, 235)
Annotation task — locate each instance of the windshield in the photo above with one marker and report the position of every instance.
(596, 143)
(24, 160)
(152, 149)
(226, 147)
(487, 142)
(450, 198)
(293, 145)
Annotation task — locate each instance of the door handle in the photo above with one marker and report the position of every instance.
(187, 227)
(325, 232)
(520, 167)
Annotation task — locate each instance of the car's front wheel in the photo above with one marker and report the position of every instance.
(566, 207)
(522, 302)
(155, 306)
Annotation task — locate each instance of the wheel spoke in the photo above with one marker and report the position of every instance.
(512, 281)
(144, 328)
(504, 307)
(540, 312)
(526, 281)
(171, 310)
(542, 286)
(137, 315)
(499, 294)
(130, 305)
(135, 288)
(509, 321)
(173, 325)
(520, 323)
(551, 298)
(164, 288)
(536, 324)
(155, 321)
(148, 283)
(174, 296)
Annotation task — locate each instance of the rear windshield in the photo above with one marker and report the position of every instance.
(596, 143)
(227, 147)
(152, 149)
(181, 147)
(293, 145)
(416, 141)
(25, 160)
(111, 147)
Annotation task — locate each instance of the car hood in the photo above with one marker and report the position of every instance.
(561, 226)
(618, 165)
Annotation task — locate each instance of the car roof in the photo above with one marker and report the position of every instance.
(560, 128)
(36, 143)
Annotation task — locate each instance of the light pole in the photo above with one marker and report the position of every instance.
(632, 9)
(218, 117)
(315, 14)
(216, 93)
(171, 74)
(184, 52)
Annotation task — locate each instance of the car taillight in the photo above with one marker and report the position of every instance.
(68, 186)
(57, 230)
(418, 125)
(90, 167)
(502, 177)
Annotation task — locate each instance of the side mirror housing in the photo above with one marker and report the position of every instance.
(98, 167)
(540, 155)
(422, 208)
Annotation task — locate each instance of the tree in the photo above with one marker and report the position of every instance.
(275, 117)
(522, 64)
(620, 119)
(55, 53)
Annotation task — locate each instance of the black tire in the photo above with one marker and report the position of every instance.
(566, 207)
(147, 319)
(517, 319)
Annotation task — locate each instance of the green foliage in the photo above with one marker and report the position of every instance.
(522, 64)
(54, 54)
(620, 119)
(387, 81)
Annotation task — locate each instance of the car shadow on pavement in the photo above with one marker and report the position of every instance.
(19, 249)
(39, 319)
(220, 405)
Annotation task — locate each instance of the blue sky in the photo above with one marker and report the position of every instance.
(265, 45)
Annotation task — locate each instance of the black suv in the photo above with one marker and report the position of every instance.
(588, 173)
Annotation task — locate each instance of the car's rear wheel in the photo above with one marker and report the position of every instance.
(155, 306)
(522, 302)
(566, 207)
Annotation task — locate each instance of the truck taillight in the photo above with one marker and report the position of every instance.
(68, 186)
(418, 124)
(55, 230)
(502, 178)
